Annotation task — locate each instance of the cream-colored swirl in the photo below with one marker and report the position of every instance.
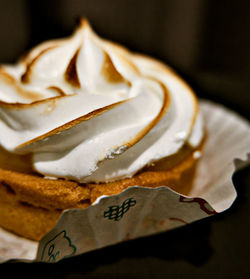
(90, 110)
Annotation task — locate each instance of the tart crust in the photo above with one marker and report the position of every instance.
(30, 205)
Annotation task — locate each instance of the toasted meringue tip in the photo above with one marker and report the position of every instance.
(84, 22)
(83, 25)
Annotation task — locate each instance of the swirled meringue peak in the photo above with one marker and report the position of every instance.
(92, 111)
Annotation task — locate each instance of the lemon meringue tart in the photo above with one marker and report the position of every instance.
(83, 117)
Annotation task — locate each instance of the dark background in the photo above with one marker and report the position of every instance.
(208, 43)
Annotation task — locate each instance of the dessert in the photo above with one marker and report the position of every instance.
(83, 117)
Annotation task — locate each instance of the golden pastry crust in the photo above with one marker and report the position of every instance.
(30, 205)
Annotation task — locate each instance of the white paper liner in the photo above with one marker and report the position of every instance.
(140, 211)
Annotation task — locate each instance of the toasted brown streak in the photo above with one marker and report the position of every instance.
(25, 106)
(124, 55)
(58, 90)
(70, 74)
(143, 132)
(110, 73)
(29, 55)
(165, 106)
(10, 80)
(168, 70)
(72, 123)
(26, 76)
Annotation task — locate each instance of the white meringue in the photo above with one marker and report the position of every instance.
(91, 111)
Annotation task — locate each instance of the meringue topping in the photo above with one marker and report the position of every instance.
(92, 111)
